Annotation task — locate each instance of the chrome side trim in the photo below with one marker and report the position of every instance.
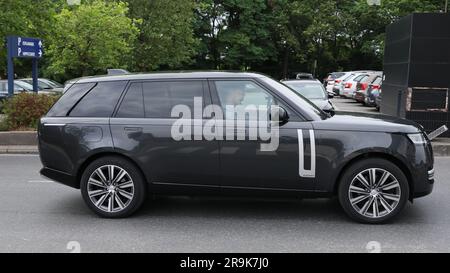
(54, 124)
(301, 155)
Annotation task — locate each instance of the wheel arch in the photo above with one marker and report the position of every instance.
(98, 155)
(391, 158)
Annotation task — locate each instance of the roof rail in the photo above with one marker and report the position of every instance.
(112, 72)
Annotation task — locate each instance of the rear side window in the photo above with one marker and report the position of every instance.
(132, 105)
(69, 99)
(377, 80)
(364, 79)
(161, 97)
(100, 101)
(358, 78)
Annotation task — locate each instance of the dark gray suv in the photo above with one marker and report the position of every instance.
(118, 139)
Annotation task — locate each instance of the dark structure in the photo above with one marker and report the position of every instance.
(417, 69)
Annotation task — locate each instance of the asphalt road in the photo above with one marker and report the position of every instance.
(41, 216)
(350, 105)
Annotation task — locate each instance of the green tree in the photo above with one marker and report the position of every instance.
(32, 18)
(235, 34)
(166, 39)
(90, 38)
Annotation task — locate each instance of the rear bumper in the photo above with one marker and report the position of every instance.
(60, 177)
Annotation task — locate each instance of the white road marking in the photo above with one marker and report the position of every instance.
(40, 181)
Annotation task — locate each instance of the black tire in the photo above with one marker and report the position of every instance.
(138, 192)
(349, 176)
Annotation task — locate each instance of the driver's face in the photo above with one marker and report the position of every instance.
(235, 97)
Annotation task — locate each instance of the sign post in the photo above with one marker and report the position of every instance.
(23, 47)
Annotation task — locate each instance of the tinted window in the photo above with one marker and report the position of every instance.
(68, 100)
(132, 105)
(3, 87)
(357, 79)
(308, 90)
(244, 93)
(365, 79)
(100, 101)
(377, 80)
(161, 97)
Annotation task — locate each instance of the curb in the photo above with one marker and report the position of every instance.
(18, 138)
(19, 149)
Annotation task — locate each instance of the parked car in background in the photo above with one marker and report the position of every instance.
(373, 91)
(362, 86)
(350, 85)
(338, 83)
(304, 76)
(19, 86)
(330, 80)
(313, 91)
(46, 86)
(378, 99)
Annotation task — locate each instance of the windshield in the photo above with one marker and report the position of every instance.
(306, 105)
(312, 91)
(24, 85)
(41, 84)
(52, 83)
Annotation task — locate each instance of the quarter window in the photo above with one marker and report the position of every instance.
(100, 101)
(68, 100)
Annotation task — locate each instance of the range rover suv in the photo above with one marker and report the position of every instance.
(116, 138)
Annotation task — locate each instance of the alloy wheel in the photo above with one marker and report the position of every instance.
(374, 193)
(110, 188)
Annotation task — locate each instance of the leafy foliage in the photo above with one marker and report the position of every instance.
(166, 38)
(277, 37)
(24, 110)
(91, 38)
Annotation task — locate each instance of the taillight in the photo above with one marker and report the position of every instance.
(364, 86)
(348, 85)
(375, 86)
(337, 81)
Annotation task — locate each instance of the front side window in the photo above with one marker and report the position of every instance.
(245, 95)
(161, 97)
(100, 101)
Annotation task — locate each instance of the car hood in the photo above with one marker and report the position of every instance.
(346, 121)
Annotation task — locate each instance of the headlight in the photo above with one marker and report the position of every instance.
(417, 139)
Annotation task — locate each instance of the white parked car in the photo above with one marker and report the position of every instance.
(330, 80)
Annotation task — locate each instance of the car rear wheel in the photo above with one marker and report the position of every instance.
(373, 191)
(113, 187)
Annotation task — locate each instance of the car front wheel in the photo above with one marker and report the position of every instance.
(373, 191)
(113, 187)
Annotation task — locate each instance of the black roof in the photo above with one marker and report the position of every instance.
(169, 75)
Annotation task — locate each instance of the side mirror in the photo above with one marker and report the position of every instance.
(281, 113)
(331, 95)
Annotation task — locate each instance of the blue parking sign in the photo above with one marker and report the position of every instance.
(24, 47)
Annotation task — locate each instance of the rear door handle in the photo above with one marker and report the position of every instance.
(133, 129)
